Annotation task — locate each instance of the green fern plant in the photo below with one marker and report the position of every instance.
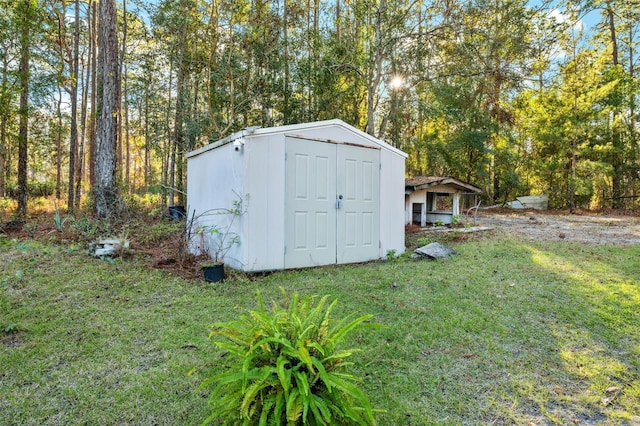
(288, 368)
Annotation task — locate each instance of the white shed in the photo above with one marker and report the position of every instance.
(315, 194)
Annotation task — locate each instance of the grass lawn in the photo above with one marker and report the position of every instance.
(507, 332)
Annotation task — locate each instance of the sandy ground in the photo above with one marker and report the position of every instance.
(535, 225)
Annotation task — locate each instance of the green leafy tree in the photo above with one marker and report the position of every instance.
(25, 13)
(563, 134)
(616, 36)
(8, 56)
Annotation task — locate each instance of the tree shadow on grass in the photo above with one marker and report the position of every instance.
(596, 325)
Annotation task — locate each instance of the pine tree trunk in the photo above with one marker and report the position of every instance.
(94, 91)
(374, 73)
(24, 77)
(125, 107)
(178, 134)
(4, 117)
(166, 151)
(147, 146)
(59, 146)
(73, 138)
(616, 180)
(84, 125)
(106, 190)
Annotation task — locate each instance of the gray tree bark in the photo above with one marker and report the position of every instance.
(106, 195)
(4, 118)
(73, 138)
(25, 77)
(88, 82)
(93, 48)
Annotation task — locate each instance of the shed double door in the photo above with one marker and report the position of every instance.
(332, 203)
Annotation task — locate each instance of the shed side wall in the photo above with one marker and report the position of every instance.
(215, 179)
(392, 202)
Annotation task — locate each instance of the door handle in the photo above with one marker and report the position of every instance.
(338, 201)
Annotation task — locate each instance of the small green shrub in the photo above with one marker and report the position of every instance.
(34, 189)
(141, 204)
(161, 232)
(423, 241)
(89, 228)
(391, 255)
(6, 205)
(58, 221)
(405, 255)
(287, 368)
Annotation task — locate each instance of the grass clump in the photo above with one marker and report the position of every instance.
(288, 368)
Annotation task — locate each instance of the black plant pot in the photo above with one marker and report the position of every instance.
(213, 273)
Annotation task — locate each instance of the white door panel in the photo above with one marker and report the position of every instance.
(332, 211)
(310, 223)
(359, 213)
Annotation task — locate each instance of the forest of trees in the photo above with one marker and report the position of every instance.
(511, 95)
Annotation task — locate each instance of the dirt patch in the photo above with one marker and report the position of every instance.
(11, 340)
(536, 225)
(158, 242)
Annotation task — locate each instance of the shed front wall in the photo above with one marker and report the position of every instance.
(392, 180)
(264, 155)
